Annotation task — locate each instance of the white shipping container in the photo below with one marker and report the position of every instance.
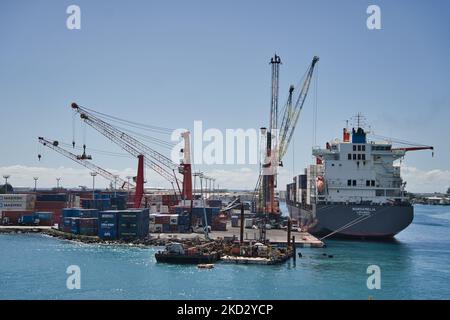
(77, 202)
(196, 203)
(174, 219)
(155, 198)
(248, 223)
(158, 228)
(164, 209)
(17, 201)
(153, 217)
(153, 209)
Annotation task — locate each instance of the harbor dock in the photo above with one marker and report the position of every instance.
(275, 236)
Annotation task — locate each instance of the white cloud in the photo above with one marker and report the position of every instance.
(435, 180)
(22, 176)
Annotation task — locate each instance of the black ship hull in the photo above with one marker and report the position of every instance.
(186, 259)
(353, 220)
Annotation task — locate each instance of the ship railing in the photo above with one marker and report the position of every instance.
(403, 201)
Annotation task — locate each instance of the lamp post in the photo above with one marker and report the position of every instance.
(6, 176)
(205, 224)
(35, 183)
(93, 174)
(57, 182)
(115, 185)
(128, 187)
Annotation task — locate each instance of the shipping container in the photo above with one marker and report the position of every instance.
(108, 224)
(173, 219)
(158, 228)
(133, 223)
(17, 202)
(45, 218)
(59, 197)
(28, 219)
(75, 225)
(215, 203)
(12, 217)
(248, 223)
(99, 204)
(235, 221)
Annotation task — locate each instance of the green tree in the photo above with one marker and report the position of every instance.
(7, 188)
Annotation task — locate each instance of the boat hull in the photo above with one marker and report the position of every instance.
(185, 259)
(354, 221)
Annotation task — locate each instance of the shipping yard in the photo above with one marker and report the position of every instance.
(247, 227)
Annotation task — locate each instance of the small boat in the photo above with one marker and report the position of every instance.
(177, 253)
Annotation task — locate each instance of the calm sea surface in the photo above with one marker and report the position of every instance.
(414, 266)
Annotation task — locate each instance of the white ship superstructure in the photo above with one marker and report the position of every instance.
(357, 171)
(354, 189)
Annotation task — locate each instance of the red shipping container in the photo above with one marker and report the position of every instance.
(162, 219)
(14, 216)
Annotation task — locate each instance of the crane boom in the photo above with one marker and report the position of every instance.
(153, 159)
(414, 148)
(104, 173)
(291, 114)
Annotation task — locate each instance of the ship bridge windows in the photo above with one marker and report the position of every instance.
(370, 183)
(381, 148)
(349, 156)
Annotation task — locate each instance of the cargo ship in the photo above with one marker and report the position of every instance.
(354, 190)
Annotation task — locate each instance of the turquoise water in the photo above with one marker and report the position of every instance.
(415, 266)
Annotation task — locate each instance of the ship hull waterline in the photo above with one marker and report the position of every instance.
(354, 221)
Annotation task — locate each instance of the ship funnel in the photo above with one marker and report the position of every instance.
(346, 135)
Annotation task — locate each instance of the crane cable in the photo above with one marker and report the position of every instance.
(158, 129)
(399, 141)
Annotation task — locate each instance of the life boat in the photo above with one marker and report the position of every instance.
(320, 184)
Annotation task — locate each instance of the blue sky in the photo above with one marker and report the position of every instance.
(169, 63)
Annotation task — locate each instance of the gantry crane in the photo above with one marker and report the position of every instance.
(277, 138)
(152, 159)
(53, 144)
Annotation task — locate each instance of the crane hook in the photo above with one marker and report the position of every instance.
(39, 157)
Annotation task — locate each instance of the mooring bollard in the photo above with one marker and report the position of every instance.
(294, 248)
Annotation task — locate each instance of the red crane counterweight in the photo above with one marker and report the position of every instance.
(139, 183)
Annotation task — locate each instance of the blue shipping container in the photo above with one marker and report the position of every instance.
(75, 226)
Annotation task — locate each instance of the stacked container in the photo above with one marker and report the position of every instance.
(66, 225)
(169, 223)
(51, 203)
(108, 224)
(45, 218)
(99, 204)
(13, 217)
(88, 226)
(133, 223)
